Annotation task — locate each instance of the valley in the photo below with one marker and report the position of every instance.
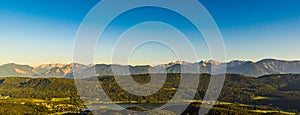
(270, 94)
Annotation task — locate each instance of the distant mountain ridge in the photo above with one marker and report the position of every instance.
(248, 68)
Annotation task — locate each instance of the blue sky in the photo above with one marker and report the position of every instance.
(36, 32)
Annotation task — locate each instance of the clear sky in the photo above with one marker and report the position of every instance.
(36, 32)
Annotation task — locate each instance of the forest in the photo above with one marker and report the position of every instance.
(270, 94)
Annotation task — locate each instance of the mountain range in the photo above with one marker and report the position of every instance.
(248, 68)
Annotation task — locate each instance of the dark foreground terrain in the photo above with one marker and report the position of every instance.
(271, 94)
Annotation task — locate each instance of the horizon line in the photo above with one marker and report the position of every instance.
(290, 60)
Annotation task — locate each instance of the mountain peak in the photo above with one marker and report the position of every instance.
(212, 62)
(13, 64)
(51, 65)
(178, 62)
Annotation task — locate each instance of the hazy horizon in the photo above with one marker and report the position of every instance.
(149, 64)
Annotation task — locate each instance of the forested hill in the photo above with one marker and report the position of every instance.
(280, 91)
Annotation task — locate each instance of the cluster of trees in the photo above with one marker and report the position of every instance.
(41, 88)
(21, 109)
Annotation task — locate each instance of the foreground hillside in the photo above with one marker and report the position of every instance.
(240, 94)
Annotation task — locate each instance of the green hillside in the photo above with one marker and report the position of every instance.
(271, 94)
